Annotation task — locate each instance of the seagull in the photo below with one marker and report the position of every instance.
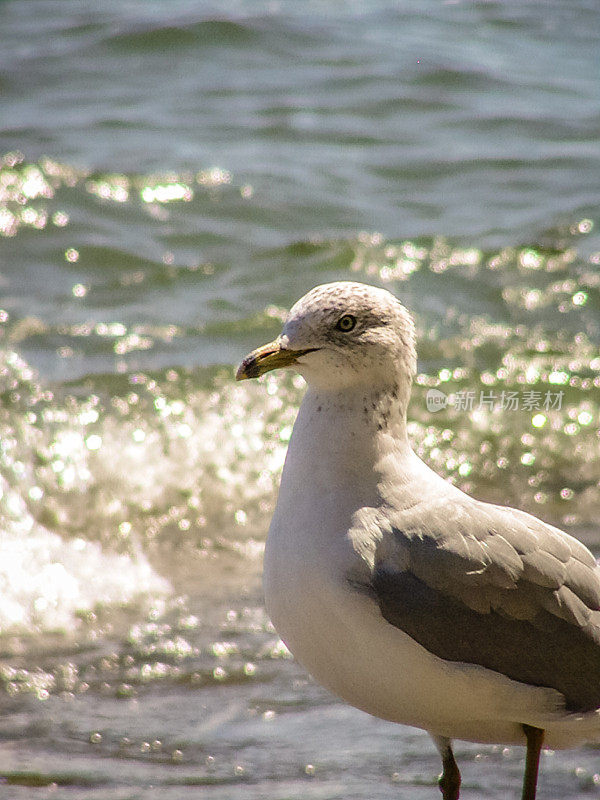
(397, 591)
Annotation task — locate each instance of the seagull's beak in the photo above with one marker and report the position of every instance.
(269, 356)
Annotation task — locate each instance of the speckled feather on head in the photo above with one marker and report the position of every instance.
(383, 342)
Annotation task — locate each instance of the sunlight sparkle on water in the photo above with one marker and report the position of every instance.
(166, 193)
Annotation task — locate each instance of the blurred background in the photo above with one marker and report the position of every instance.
(173, 176)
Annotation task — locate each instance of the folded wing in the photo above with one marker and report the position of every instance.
(496, 587)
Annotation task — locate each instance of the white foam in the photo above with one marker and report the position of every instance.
(46, 581)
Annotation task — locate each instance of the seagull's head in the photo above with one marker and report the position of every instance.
(342, 335)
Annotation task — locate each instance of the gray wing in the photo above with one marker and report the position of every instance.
(493, 586)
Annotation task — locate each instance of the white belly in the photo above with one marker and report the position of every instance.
(338, 634)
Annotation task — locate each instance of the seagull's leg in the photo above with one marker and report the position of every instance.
(449, 781)
(535, 738)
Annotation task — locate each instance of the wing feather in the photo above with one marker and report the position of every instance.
(492, 586)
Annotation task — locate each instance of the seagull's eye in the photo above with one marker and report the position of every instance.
(346, 323)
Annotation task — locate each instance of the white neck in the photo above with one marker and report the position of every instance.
(340, 442)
